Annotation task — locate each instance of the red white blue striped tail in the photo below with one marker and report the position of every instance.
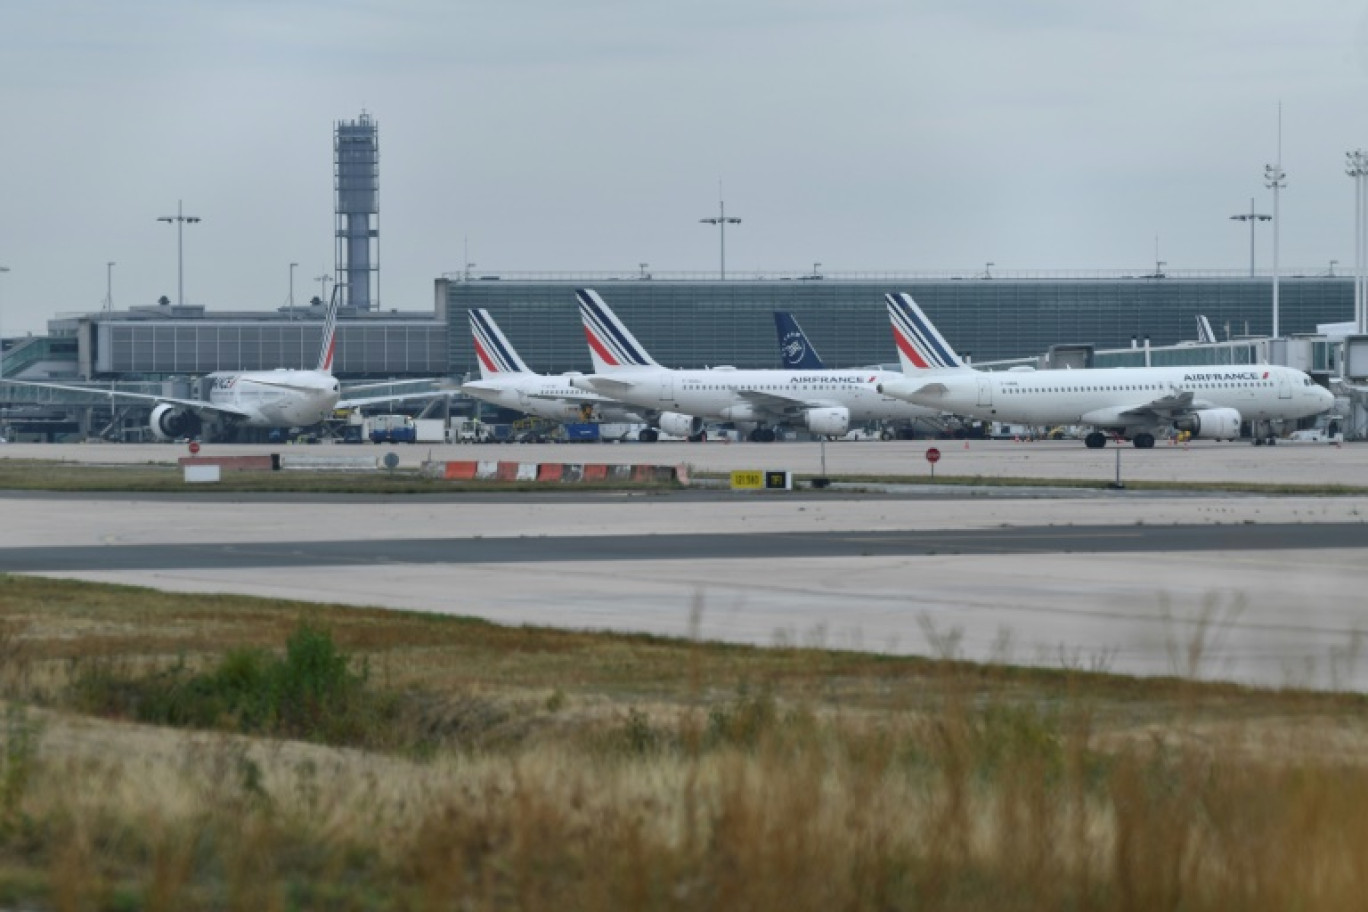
(329, 345)
(494, 352)
(920, 344)
(611, 344)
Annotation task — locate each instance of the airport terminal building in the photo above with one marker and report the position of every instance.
(692, 323)
(683, 321)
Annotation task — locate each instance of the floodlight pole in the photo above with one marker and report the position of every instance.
(1253, 218)
(3, 270)
(1356, 166)
(1275, 180)
(180, 218)
(722, 221)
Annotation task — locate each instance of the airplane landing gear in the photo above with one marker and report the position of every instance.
(1095, 440)
(1143, 441)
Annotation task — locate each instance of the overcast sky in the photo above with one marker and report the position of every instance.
(545, 135)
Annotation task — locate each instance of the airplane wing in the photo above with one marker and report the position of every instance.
(779, 403)
(1156, 411)
(608, 385)
(397, 397)
(198, 405)
(382, 384)
(1163, 407)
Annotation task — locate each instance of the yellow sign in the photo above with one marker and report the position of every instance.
(748, 480)
(757, 481)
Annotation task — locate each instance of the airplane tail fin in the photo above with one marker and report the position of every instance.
(920, 344)
(795, 351)
(611, 344)
(1205, 333)
(492, 349)
(329, 345)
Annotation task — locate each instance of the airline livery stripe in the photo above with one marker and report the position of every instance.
(608, 338)
(906, 348)
(487, 354)
(599, 348)
(915, 336)
(502, 358)
(909, 338)
(919, 333)
(484, 358)
(609, 333)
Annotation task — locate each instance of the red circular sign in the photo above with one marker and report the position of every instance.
(933, 455)
(194, 447)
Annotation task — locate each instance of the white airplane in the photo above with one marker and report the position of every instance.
(1137, 403)
(823, 401)
(279, 398)
(507, 382)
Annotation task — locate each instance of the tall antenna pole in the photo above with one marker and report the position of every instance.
(109, 287)
(721, 221)
(1275, 179)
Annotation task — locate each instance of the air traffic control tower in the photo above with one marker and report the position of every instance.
(356, 179)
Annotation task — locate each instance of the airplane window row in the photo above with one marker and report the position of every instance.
(1125, 388)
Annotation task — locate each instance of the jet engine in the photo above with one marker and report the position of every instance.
(677, 425)
(171, 422)
(829, 422)
(1212, 424)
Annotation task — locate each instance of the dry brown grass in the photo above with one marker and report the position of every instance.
(591, 772)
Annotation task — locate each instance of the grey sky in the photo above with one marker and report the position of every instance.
(869, 135)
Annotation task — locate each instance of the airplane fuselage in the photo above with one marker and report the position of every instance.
(1117, 397)
(550, 397)
(760, 395)
(278, 398)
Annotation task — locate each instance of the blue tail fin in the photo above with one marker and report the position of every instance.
(795, 351)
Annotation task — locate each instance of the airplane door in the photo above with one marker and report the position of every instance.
(1284, 388)
(667, 388)
(985, 385)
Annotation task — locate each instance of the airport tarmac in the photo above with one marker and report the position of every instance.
(1287, 615)
(1199, 461)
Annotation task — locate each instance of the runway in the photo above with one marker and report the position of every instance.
(1260, 589)
(754, 546)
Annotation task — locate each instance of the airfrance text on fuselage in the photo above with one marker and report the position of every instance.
(1238, 375)
(806, 379)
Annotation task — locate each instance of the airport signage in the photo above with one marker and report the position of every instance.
(753, 480)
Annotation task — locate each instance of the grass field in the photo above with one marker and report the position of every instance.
(355, 759)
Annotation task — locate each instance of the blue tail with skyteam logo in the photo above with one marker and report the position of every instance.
(795, 351)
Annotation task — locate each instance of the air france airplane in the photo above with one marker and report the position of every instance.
(823, 401)
(1136, 403)
(276, 398)
(507, 382)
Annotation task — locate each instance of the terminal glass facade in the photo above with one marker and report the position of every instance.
(691, 324)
